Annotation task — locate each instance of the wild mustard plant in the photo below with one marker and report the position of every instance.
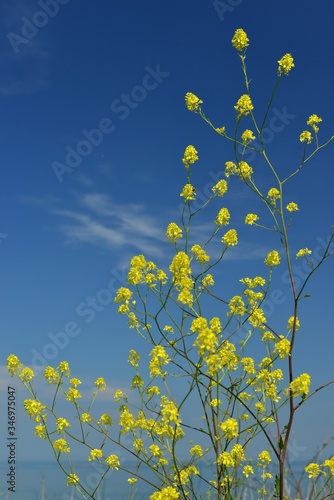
(207, 400)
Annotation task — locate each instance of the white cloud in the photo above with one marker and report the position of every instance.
(102, 222)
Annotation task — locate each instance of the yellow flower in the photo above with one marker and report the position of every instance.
(285, 64)
(159, 357)
(305, 136)
(101, 384)
(248, 364)
(72, 479)
(225, 459)
(13, 364)
(251, 219)
(247, 136)
(273, 258)
(173, 232)
(264, 458)
(190, 156)
(26, 374)
(113, 462)
(240, 40)
(303, 252)
(223, 217)
(201, 256)
(62, 424)
(230, 169)
(220, 188)
(247, 470)
(329, 463)
(292, 207)
(95, 453)
(300, 386)
(244, 105)
(34, 409)
(85, 417)
(73, 394)
(312, 122)
(237, 306)
(168, 493)
(245, 171)
(61, 445)
(192, 102)
(75, 382)
(40, 431)
(273, 193)
(291, 322)
(230, 428)
(132, 480)
(313, 470)
(230, 238)
(196, 450)
(207, 280)
(221, 130)
(188, 192)
(51, 375)
(105, 419)
(282, 347)
(64, 368)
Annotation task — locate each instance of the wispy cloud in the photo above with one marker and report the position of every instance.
(101, 222)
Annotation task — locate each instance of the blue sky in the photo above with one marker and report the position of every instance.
(79, 203)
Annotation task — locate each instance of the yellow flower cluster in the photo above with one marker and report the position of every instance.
(253, 282)
(273, 259)
(244, 105)
(61, 446)
(250, 219)
(247, 136)
(303, 252)
(34, 409)
(223, 217)
(300, 386)
(181, 271)
(13, 364)
(72, 479)
(220, 188)
(190, 156)
(273, 195)
(292, 207)
(312, 122)
(282, 347)
(240, 40)
(168, 493)
(113, 462)
(285, 64)
(243, 170)
(140, 272)
(201, 256)
(230, 238)
(94, 454)
(62, 424)
(192, 102)
(188, 192)
(305, 136)
(159, 358)
(230, 428)
(173, 232)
